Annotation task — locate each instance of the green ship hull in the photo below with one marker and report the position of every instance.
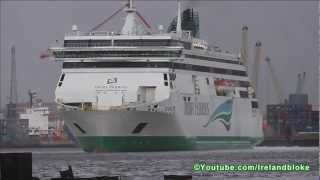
(163, 143)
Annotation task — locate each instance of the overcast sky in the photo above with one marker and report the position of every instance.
(288, 31)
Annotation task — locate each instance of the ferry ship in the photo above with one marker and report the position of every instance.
(144, 90)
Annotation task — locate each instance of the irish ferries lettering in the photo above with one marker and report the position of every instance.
(198, 108)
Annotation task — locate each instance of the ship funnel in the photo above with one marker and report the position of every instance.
(244, 45)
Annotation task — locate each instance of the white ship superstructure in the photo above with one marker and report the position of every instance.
(142, 91)
(37, 118)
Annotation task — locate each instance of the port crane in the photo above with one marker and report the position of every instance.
(244, 46)
(274, 80)
(256, 65)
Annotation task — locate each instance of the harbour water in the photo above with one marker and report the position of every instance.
(47, 162)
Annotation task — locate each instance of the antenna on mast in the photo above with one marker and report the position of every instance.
(129, 5)
(129, 27)
(179, 29)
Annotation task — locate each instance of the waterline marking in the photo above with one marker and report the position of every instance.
(256, 167)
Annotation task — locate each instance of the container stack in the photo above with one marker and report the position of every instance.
(299, 117)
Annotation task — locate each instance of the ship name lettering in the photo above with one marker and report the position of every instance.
(198, 108)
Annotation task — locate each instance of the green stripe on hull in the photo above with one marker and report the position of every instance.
(226, 142)
(163, 143)
(135, 143)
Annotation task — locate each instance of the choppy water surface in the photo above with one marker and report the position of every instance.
(47, 162)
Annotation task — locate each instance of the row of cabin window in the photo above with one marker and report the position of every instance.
(154, 65)
(211, 59)
(135, 42)
(94, 54)
(208, 69)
